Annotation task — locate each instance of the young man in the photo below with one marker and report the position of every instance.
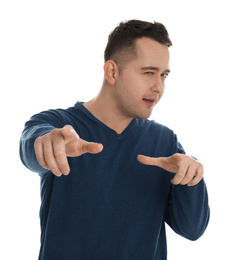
(121, 176)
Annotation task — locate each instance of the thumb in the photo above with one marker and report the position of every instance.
(68, 133)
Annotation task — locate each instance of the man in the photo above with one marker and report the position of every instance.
(121, 176)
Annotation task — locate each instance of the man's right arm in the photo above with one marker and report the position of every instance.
(44, 146)
(27, 140)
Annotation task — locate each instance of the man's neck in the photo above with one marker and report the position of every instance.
(103, 107)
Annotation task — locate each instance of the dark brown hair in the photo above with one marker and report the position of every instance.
(121, 41)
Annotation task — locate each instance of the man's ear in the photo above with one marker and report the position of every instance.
(111, 72)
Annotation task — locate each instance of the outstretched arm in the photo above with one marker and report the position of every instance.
(46, 143)
(187, 170)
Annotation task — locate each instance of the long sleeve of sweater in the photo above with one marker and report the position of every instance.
(189, 204)
(187, 211)
(38, 125)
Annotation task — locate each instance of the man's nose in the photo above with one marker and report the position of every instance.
(158, 85)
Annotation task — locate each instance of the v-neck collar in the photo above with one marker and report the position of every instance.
(100, 123)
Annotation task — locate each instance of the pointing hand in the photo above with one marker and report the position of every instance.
(187, 170)
(53, 148)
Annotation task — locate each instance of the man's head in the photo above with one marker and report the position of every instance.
(121, 46)
(136, 66)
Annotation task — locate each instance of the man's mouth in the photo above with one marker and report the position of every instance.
(149, 102)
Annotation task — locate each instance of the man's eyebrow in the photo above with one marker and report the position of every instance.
(155, 69)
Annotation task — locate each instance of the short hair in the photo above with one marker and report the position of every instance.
(121, 41)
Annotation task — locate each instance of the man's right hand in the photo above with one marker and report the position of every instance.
(53, 148)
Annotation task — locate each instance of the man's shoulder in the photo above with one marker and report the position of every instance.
(58, 116)
(57, 112)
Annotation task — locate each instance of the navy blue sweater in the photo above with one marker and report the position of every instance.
(111, 206)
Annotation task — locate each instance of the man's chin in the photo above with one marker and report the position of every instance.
(143, 115)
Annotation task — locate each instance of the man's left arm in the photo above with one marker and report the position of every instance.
(187, 210)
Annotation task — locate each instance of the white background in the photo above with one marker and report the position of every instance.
(51, 55)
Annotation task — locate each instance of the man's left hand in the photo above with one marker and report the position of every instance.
(187, 170)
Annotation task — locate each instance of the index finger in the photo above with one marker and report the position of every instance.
(162, 162)
(147, 160)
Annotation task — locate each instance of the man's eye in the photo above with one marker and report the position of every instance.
(164, 75)
(149, 72)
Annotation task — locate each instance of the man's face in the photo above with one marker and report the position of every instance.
(140, 84)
